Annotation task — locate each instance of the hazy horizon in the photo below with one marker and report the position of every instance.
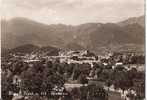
(72, 12)
(65, 23)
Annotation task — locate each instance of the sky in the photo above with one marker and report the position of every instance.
(72, 12)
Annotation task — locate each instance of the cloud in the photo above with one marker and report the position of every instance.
(73, 11)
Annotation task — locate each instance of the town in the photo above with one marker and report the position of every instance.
(73, 75)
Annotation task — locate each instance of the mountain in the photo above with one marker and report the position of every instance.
(113, 34)
(74, 46)
(20, 31)
(138, 20)
(48, 50)
(92, 36)
(27, 48)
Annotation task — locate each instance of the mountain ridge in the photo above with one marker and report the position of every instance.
(21, 31)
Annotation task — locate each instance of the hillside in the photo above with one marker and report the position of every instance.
(27, 48)
(21, 31)
(138, 20)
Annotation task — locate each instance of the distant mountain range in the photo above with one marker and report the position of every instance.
(139, 20)
(94, 36)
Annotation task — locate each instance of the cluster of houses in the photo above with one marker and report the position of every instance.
(81, 57)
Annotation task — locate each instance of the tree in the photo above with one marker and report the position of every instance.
(75, 94)
(108, 83)
(83, 92)
(96, 93)
(83, 79)
(76, 73)
(6, 87)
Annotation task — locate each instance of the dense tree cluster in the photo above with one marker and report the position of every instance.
(44, 76)
(91, 92)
